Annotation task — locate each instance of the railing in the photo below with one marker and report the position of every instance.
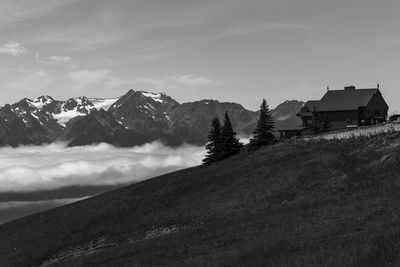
(359, 131)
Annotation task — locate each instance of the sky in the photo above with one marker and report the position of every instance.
(229, 50)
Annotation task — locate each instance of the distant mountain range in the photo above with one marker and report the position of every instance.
(135, 118)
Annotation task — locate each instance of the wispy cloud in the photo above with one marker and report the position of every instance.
(59, 59)
(13, 48)
(80, 38)
(163, 45)
(176, 23)
(255, 28)
(32, 79)
(104, 77)
(107, 78)
(244, 29)
(54, 60)
(178, 81)
(17, 11)
(95, 41)
(192, 80)
(91, 76)
(54, 166)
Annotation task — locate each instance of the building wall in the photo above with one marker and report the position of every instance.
(337, 119)
(307, 121)
(377, 107)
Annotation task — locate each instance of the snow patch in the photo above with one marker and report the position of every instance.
(64, 116)
(155, 97)
(36, 117)
(40, 102)
(103, 103)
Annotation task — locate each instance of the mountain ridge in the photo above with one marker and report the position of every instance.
(132, 119)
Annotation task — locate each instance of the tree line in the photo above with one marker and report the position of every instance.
(222, 140)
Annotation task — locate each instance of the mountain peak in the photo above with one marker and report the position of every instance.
(45, 98)
(38, 103)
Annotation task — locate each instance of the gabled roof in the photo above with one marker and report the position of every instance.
(345, 99)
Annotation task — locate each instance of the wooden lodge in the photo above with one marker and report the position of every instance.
(340, 109)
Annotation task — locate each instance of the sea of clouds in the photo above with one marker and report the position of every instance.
(53, 166)
(29, 173)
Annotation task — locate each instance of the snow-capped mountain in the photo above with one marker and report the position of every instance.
(134, 118)
(45, 108)
(72, 108)
(143, 110)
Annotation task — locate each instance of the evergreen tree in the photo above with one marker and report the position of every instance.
(263, 134)
(213, 146)
(230, 145)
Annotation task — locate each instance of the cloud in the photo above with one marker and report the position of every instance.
(17, 11)
(59, 59)
(255, 28)
(93, 41)
(54, 60)
(33, 168)
(81, 38)
(33, 79)
(245, 139)
(176, 23)
(177, 81)
(192, 80)
(103, 77)
(91, 76)
(163, 46)
(13, 48)
(106, 77)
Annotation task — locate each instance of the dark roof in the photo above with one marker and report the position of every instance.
(345, 99)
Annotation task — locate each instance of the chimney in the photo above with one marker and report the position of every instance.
(349, 88)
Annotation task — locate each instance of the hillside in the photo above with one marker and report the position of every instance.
(322, 203)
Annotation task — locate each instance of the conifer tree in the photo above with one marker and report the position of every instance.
(213, 146)
(263, 134)
(230, 145)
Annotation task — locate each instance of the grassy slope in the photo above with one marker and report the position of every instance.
(330, 203)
